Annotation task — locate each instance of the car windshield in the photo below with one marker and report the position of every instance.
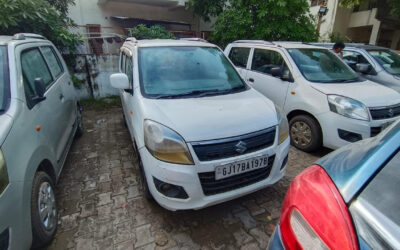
(178, 72)
(3, 78)
(321, 65)
(389, 60)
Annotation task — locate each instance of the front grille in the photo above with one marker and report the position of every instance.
(375, 131)
(224, 148)
(385, 112)
(211, 186)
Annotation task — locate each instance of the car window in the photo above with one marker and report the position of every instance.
(352, 58)
(34, 66)
(239, 56)
(321, 65)
(176, 71)
(264, 60)
(388, 59)
(52, 60)
(129, 69)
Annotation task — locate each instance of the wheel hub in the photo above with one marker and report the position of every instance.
(47, 206)
(301, 133)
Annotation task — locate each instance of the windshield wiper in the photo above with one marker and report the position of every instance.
(187, 94)
(342, 80)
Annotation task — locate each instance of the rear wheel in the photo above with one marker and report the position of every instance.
(43, 210)
(305, 133)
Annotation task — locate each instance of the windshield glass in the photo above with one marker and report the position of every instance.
(3, 78)
(173, 72)
(321, 65)
(389, 60)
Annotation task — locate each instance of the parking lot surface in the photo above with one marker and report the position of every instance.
(101, 205)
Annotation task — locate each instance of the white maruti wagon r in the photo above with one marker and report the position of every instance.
(326, 102)
(202, 135)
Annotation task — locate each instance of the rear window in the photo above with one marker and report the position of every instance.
(239, 56)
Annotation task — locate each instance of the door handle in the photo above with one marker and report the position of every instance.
(251, 80)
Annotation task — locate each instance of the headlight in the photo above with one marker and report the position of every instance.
(348, 107)
(283, 125)
(165, 144)
(3, 173)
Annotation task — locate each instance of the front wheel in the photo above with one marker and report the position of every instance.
(79, 121)
(43, 210)
(305, 133)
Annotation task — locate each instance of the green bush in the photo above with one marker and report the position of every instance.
(153, 32)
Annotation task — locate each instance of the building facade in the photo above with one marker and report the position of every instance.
(369, 23)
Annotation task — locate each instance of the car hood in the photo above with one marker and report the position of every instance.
(369, 93)
(5, 126)
(214, 117)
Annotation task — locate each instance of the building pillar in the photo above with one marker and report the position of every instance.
(395, 40)
(373, 39)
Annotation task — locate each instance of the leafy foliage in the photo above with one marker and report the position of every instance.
(258, 19)
(154, 32)
(336, 37)
(39, 16)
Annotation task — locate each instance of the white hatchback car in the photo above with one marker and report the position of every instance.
(203, 136)
(326, 102)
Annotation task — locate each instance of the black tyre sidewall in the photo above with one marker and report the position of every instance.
(40, 236)
(316, 134)
(79, 129)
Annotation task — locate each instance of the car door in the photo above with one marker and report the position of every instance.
(66, 97)
(239, 57)
(260, 77)
(49, 112)
(127, 95)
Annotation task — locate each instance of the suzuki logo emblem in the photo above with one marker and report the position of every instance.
(241, 147)
(390, 112)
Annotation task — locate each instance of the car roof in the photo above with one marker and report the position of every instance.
(22, 38)
(274, 44)
(352, 166)
(130, 42)
(351, 45)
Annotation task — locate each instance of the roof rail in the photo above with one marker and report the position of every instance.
(23, 36)
(291, 42)
(254, 41)
(131, 39)
(196, 39)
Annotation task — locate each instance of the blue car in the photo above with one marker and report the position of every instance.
(350, 199)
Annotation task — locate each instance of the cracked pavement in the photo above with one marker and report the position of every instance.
(101, 205)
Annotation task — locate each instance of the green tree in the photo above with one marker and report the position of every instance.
(257, 19)
(48, 18)
(153, 32)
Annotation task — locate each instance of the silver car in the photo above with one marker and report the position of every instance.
(39, 117)
(374, 63)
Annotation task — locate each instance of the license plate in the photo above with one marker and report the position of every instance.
(240, 167)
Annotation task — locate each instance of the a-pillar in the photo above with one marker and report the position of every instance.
(373, 39)
(395, 40)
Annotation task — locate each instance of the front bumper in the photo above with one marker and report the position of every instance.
(331, 123)
(188, 177)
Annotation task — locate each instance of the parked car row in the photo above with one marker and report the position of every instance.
(209, 127)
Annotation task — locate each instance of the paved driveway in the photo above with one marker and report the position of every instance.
(101, 205)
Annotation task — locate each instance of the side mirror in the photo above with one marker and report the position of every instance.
(39, 87)
(119, 81)
(363, 68)
(276, 71)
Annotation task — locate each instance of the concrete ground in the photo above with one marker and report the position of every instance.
(101, 205)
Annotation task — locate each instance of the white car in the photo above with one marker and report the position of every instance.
(325, 101)
(203, 136)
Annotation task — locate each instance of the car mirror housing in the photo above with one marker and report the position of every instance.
(363, 68)
(119, 81)
(276, 71)
(39, 87)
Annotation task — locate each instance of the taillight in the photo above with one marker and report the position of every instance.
(314, 215)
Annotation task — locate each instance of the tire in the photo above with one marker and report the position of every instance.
(44, 226)
(123, 115)
(79, 120)
(143, 180)
(305, 133)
